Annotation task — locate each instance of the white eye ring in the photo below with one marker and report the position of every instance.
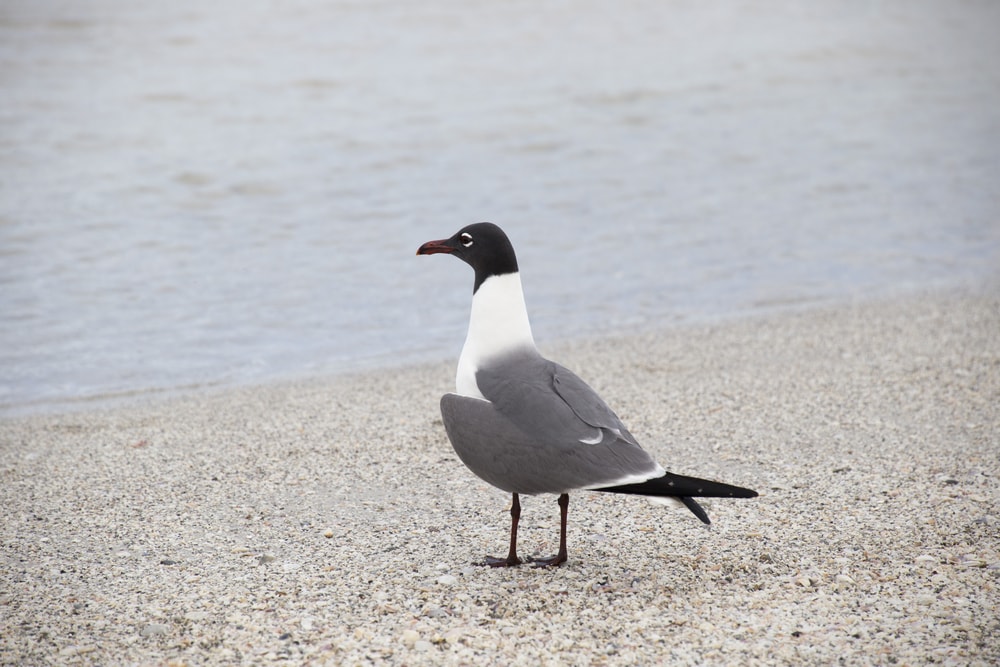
(466, 239)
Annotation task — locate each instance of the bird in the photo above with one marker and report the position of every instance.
(527, 425)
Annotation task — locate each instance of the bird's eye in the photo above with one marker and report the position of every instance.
(466, 239)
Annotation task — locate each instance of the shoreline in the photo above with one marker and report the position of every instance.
(329, 520)
(154, 395)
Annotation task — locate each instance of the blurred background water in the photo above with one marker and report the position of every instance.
(197, 194)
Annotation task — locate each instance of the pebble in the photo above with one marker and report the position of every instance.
(971, 560)
(154, 629)
(454, 635)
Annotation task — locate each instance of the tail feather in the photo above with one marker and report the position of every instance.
(696, 509)
(685, 489)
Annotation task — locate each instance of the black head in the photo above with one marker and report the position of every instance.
(483, 246)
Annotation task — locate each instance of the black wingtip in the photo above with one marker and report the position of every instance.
(697, 509)
(680, 486)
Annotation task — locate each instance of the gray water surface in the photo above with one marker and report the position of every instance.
(214, 193)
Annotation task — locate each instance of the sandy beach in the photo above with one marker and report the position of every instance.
(329, 522)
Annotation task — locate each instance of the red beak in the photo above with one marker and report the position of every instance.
(434, 247)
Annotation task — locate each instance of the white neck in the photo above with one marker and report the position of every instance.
(498, 324)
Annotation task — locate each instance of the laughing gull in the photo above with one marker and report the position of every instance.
(526, 424)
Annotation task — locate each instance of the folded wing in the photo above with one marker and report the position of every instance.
(542, 430)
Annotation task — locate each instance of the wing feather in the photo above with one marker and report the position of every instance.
(587, 404)
(557, 411)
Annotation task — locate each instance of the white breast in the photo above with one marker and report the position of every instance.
(498, 324)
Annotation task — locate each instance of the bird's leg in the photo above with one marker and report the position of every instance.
(561, 556)
(511, 560)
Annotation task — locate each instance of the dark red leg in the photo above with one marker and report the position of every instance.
(561, 556)
(511, 560)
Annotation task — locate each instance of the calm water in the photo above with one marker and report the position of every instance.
(213, 193)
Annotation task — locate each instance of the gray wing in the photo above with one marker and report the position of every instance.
(501, 453)
(542, 430)
(550, 402)
(587, 404)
